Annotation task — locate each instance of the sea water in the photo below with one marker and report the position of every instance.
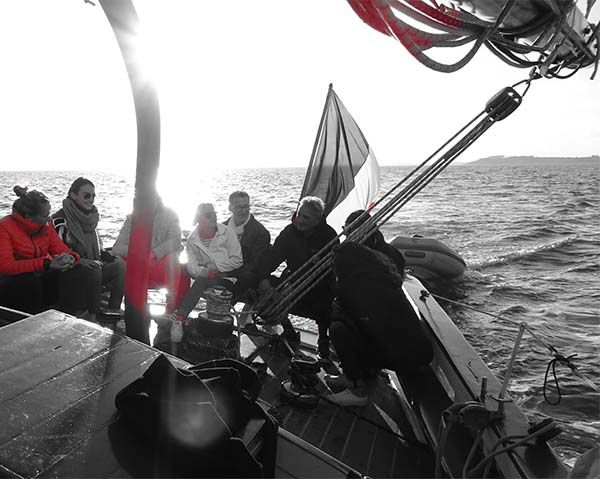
(529, 235)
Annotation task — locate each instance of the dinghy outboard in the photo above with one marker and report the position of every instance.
(429, 258)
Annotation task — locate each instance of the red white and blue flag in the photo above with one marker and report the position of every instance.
(343, 171)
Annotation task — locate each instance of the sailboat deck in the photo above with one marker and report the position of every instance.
(375, 440)
(60, 376)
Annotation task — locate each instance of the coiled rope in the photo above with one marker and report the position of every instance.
(550, 36)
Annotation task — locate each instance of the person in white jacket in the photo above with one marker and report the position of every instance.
(213, 250)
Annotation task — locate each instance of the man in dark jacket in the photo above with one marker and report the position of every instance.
(296, 245)
(252, 235)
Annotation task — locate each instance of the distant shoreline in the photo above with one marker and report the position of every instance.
(498, 160)
(533, 161)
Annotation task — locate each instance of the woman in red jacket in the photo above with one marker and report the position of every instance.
(37, 270)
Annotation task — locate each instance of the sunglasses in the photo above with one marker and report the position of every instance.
(87, 196)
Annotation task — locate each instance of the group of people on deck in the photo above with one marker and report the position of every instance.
(59, 262)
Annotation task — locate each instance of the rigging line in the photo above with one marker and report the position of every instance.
(299, 289)
(318, 254)
(419, 16)
(403, 438)
(302, 286)
(406, 195)
(414, 188)
(390, 204)
(533, 333)
(498, 108)
(399, 31)
(510, 447)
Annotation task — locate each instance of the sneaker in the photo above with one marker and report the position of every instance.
(348, 398)
(339, 382)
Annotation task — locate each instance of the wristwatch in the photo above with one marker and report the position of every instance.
(46, 264)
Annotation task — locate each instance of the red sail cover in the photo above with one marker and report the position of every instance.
(343, 171)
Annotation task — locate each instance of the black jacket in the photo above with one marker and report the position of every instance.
(295, 248)
(254, 241)
(377, 242)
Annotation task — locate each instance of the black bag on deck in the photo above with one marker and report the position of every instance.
(203, 421)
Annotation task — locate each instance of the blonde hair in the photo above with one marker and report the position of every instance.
(202, 207)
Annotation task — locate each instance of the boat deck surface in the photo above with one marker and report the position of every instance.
(60, 375)
(375, 440)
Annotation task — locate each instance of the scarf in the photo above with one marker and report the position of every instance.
(81, 227)
(238, 230)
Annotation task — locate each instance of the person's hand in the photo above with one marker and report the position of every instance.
(264, 285)
(90, 263)
(212, 267)
(62, 262)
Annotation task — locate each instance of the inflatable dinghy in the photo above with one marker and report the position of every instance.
(429, 258)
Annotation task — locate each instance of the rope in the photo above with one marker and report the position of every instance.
(511, 447)
(378, 426)
(544, 35)
(300, 282)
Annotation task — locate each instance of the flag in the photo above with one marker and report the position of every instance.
(343, 171)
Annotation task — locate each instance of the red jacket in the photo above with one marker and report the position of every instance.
(24, 245)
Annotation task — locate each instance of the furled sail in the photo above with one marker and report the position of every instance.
(552, 35)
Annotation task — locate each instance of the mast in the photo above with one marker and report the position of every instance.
(124, 21)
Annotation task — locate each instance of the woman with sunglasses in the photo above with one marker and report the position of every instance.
(213, 250)
(37, 270)
(76, 224)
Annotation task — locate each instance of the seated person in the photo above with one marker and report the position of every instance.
(376, 241)
(37, 270)
(297, 244)
(164, 269)
(254, 239)
(375, 326)
(76, 224)
(213, 251)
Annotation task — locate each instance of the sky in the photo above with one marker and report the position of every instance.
(243, 83)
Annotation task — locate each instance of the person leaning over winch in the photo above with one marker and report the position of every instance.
(296, 245)
(76, 224)
(37, 270)
(254, 239)
(374, 325)
(213, 251)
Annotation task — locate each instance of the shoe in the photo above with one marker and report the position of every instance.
(339, 382)
(110, 312)
(348, 398)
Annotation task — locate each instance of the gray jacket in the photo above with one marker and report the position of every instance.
(166, 234)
